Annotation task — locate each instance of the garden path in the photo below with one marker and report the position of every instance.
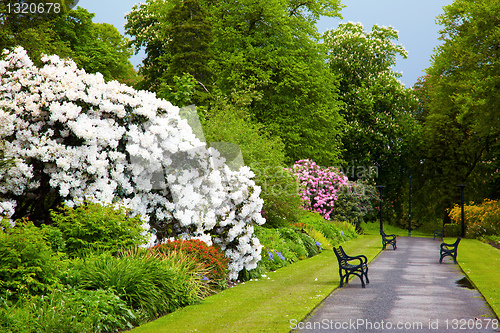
(409, 291)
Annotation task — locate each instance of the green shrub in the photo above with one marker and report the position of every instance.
(210, 257)
(93, 226)
(28, 266)
(294, 242)
(230, 121)
(144, 282)
(309, 244)
(272, 240)
(335, 232)
(15, 317)
(69, 310)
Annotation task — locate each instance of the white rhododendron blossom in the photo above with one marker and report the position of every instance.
(78, 138)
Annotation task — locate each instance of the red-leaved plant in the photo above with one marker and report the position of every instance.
(210, 257)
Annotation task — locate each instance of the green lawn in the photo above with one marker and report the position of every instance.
(481, 263)
(268, 304)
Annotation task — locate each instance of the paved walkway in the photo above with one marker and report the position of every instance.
(409, 291)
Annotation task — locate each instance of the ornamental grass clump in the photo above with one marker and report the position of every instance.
(144, 282)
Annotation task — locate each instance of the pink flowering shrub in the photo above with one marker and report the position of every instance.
(329, 192)
(319, 186)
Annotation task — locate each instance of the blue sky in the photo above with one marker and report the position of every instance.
(414, 19)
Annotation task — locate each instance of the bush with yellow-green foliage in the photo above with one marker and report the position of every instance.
(481, 220)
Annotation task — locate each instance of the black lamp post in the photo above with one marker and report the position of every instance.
(409, 209)
(381, 187)
(463, 213)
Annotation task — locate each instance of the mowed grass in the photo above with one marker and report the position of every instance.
(269, 304)
(481, 263)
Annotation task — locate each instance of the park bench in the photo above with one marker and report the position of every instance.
(388, 239)
(439, 233)
(351, 265)
(449, 250)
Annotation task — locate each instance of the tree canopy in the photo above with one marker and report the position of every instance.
(268, 50)
(96, 47)
(380, 128)
(459, 106)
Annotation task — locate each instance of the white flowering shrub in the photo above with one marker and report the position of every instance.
(75, 137)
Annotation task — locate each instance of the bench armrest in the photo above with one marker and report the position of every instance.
(443, 245)
(355, 258)
(361, 257)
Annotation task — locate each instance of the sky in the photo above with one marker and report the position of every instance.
(414, 19)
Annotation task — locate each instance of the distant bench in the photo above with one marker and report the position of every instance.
(388, 240)
(355, 265)
(439, 233)
(449, 250)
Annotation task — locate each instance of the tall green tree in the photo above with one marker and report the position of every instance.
(96, 47)
(22, 27)
(180, 45)
(460, 102)
(270, 48)
(380, 126)
(273, 46)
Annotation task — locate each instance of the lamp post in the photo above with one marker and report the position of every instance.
(409, 209)
(381, 187)
(463, 213)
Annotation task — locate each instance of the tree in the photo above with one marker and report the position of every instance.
(189, 47)
(380, 126)
(96, 47)
(271, 49)
(180, 46)
(69, 34)
(460, 106)
(20, 27)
